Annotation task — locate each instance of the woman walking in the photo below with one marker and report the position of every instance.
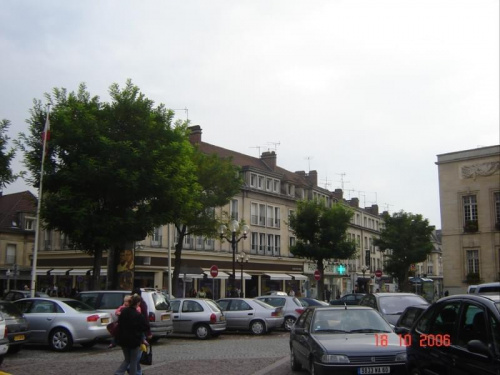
(132, 327)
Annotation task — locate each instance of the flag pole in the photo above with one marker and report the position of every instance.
(46, 137)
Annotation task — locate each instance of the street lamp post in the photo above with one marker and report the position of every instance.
(233, 227)
(363, 270)
(242, 259)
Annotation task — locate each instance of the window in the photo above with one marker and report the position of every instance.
(269, 184)
(254, 216)
(261, 182)
(277, 245)
(262, 214)
(470, 208)
(29, 223)
(255, 242)
(276, 217)
(253, 180)
(270, 216)
(496, 198)
(292, 241)
(234, 209)
(276, 187)
(262, 243)
(270, 244)
(156, 237)
(472, 261)
(10, 257)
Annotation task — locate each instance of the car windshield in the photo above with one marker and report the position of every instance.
(160, 301)
(213, 306)
(78, 305)
(348, 321)
(263, 304)
(397, 304)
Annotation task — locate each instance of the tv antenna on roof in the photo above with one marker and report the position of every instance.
(327, 183)
(258, 148)
(308, 158)
(183, 109)
(275, 144)
(342, 182)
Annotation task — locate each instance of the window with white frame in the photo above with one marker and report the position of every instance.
(255, 242)
(430, 270)
(261, 181)
(290, 213)
(10, 254)
(254, 213)
(292, 241)
(277, 246)
(262, 214)
(156, 237)
(234, 209)
(253, 180)
(270, 244)
(262, 243)
(276, 186)
(29, 223)
(270, 216)
(496, 198)
(269, 184)
(277, 217)
(470, 208)
(472, 261)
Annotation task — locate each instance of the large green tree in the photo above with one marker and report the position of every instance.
(321, 233)
(6, 156)
(114, 170)
(407, 239)
(220, 181)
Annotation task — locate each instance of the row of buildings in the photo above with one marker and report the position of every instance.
(266, 199)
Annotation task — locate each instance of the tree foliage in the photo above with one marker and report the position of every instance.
(6, 156)
(219, 180)
(114, 170)
(321, 233)
(408, 237)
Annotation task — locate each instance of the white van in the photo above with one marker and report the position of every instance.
(488, 288)
(4, 340)
(471, 289)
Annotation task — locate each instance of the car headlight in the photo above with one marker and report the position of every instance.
(401, 357)
(334, 358)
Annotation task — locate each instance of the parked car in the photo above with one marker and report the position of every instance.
(63, 322)
(275, 293)
(4, 341)
(488, 288)
(251, 314)
(408, 318)
(200, 316)
(348, 299)
(18, 331)
(159, 310)
(392, 305)
(305, 301)
(471, 289)
(14, 295)
(292, 308)
(459, 334)
(345, 340)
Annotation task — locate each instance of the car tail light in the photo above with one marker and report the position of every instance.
(152, 317)
(299, 311)
(93, 318)
(213, 318)
(6, 331)
(275, 313)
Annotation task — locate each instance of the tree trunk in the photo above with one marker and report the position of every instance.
(94, 280)
(178, 260)
(321, 281)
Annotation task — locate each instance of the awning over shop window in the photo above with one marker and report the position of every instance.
(42, 271)
(191, 275)
(246, 276)
(59, 271)
(278, 276)
(79, 272)
(220, 275)
(297, 276)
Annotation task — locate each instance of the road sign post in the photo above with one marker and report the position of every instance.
(317, 275)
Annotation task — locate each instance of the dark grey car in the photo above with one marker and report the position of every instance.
(17, 325)
(292, 308)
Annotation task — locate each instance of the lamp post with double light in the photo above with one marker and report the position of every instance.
(363, 271)
(234, 226)
(242, 259)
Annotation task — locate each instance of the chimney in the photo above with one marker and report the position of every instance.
(195, 134)
(354, 202)
(313, 178)
(269, 158)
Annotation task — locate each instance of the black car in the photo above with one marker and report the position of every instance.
(392, 305)
(14, 295)
(17, 326)
(348, 299)
(459, 334)
(408, 318)
(306, 301)
(345, 340)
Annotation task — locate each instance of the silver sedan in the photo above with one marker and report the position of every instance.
(251, 314)
(62, 322)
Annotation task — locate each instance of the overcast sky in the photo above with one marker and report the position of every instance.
(365, 92)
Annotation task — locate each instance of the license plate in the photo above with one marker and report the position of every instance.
(19, 337)
(165, 317)
(222, 318)
(105, 320)
(374, 370)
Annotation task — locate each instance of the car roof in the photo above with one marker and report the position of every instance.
(341, 307)
(475, 297)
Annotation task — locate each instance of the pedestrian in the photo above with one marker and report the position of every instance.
(132, 327)
(291, 293)
(446, 293)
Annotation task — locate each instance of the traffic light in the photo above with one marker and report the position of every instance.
(341, 269)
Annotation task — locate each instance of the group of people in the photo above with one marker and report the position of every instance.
(133, 331)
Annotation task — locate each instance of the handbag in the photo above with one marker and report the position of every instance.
(113, 328)
(147, 356)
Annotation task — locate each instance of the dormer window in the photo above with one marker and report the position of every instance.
(29, 223)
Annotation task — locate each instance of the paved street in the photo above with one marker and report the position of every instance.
(231, 353)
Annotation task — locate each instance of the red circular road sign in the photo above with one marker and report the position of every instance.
(378, 273)
(317, 275)
(214, 271)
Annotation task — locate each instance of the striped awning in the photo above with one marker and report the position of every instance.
(297, 276)
(278, 276)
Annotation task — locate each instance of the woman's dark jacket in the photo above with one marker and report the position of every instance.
(131, 326)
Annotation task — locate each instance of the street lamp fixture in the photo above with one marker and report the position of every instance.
(234, 226)
(363, 271)
(242, 259)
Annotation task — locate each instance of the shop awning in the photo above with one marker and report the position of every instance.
(191, 275)
(221, 275)
(59, 271)
(246, 276)
(79, 272)
(42, 271)
(297, 276)
(278, 276)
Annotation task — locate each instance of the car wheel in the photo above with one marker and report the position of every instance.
(60, 340)
(296, 366)
(88, 344)
(289, 322)
(202, 331)
(258, 327)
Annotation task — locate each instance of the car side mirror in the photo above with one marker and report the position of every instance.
(299, 330)
(478, 347)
